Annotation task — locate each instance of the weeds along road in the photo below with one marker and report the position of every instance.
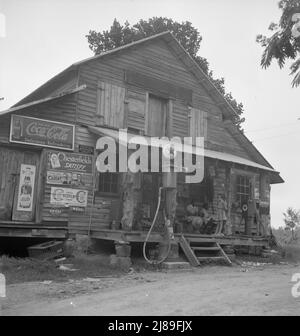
(213, 290)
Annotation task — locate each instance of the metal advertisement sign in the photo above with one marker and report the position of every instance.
(67, 197)
(69, 179)
(40, 132)
(26, 188)
(71, 162)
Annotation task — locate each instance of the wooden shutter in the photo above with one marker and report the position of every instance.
(169, 126)
(110, 105)
(198, 123)
(157, 114)
(136, 109)
(180, 119)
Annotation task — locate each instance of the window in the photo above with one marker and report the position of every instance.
(243, 188)
(108, 182)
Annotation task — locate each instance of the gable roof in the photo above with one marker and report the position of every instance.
(177, 48)
(191, 66)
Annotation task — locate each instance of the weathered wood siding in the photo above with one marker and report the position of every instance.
(4, 129)
(153, 60)
(111, 100)
(136, 109)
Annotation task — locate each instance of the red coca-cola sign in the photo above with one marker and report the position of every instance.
(40, 132)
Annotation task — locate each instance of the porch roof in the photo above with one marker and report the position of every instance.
(134, 138)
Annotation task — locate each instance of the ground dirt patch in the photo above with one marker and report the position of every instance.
(20, 270)
(252, 286)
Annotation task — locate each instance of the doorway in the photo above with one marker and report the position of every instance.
(157, 116)
(19, 170)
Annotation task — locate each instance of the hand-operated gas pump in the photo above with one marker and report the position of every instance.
(169, 188)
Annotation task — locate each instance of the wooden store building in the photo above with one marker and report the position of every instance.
(50, 185)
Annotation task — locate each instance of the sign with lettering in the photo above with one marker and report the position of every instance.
(71, 162)
(26, 188)
(85, 149)
(69, 179)
(67, 197)
(40, 132)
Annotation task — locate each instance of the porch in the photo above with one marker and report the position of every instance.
(33, 230)
(156, 237)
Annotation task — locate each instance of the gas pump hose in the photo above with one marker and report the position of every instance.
(156, 262)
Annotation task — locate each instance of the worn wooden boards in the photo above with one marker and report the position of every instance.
(198, 123)
(188, 251)
(110, 105)
(159, 86)
(11, 191)
(155, 61)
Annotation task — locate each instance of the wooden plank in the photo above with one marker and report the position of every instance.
(210, 258)
(205, 248)
(198, 123)
(110, 101)
(28, 232)
(158, 86)
(224, 254)
(170, 119)
(99, 107)
(188, 251)
(157, 116)
(146, 113)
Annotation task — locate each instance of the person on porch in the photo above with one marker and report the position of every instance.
(193, 217)
(221, 214)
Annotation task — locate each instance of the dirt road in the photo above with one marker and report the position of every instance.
(213, 290)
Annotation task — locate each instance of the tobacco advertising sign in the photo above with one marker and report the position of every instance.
(71, 162)
(69, 181)
(40, 132)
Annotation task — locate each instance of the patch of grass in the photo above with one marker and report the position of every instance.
(273, 259)
(18, 270)
(291, 252)
(26, 269)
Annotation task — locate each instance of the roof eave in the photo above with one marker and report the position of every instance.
(42, 101)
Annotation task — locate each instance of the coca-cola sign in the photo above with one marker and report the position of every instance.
(40, 132)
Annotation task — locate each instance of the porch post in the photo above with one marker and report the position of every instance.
(229, 186)
(130, 186)
(170, 184)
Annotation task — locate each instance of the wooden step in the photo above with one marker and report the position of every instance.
(211, 258)
(224, 254)
(200, 240)
(204, 248)
(188, 251)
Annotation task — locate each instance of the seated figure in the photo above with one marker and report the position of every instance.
(194, 218)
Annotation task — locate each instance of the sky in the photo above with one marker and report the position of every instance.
(42, 37)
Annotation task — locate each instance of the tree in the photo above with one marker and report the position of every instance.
(284, 43)
(186, 34)
(292, 220)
